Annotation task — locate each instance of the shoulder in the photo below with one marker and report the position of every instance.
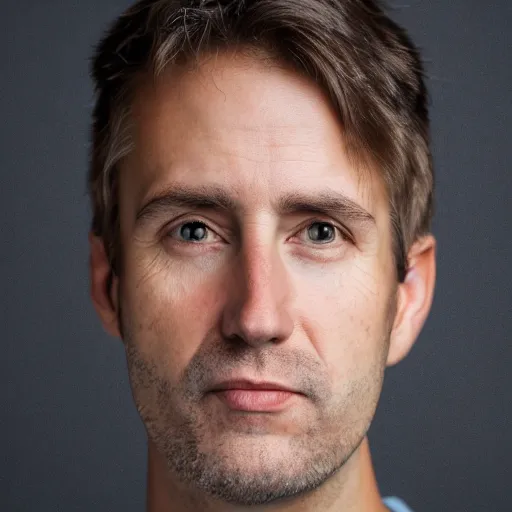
(396, 504)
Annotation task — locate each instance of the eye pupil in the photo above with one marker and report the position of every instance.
(321, 231)
(195, 230)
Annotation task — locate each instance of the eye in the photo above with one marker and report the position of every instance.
(191, 232)
(323, 233)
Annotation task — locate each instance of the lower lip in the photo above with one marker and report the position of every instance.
(265, 400)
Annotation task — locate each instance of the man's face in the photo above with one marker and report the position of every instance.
(257, 289)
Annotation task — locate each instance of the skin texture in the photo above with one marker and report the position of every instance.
(302, 298)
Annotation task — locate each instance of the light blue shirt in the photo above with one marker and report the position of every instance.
(396, 504)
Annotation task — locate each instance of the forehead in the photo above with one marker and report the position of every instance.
(251, 125)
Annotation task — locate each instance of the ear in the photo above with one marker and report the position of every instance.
(104, 302)
(414, 298)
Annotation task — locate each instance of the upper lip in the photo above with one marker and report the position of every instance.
(249, 384)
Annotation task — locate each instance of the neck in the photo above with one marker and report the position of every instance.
(352, 489)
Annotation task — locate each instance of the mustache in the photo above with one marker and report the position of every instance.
(295, 370)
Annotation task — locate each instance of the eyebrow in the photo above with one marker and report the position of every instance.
(326, 202)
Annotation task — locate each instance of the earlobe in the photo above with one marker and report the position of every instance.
(415, 296)
(104, 300)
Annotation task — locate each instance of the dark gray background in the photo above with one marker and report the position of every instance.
(71, 438)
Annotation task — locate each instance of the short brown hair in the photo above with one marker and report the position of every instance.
(366, 64)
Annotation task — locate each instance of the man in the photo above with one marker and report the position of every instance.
(261, 184)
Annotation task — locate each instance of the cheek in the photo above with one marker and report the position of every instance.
(168, 312)
(344, 316)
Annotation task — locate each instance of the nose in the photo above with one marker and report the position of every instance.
(258, 304)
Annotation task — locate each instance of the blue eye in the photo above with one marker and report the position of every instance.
(193, 231)
(197, 232)
(322, 232)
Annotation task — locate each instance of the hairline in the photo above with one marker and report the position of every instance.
(121, 141)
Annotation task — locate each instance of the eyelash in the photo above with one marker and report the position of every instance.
(344, 235)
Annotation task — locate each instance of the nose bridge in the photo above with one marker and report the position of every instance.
(258, 310)
(263, 273)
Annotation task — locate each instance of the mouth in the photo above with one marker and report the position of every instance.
(251, 396)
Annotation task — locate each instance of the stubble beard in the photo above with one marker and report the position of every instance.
(178, 432)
